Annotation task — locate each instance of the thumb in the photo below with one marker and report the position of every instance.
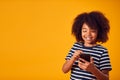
(91, 60)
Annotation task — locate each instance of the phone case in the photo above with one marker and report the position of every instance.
(85, 57)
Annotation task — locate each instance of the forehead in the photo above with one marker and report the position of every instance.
(86, 26)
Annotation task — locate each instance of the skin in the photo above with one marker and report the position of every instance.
(89, 36)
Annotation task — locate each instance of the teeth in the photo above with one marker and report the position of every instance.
(88, 38)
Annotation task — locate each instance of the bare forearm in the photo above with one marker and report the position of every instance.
(68, 64)
(100, 75)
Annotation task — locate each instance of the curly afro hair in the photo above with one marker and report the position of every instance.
(95, 20)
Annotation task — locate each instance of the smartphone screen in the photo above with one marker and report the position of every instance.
(85, 57)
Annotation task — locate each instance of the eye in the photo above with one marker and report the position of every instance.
(84, 30)
(93, 31)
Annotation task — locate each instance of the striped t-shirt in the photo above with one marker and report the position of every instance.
(98, 53)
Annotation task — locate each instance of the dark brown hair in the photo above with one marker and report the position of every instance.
(95, 20)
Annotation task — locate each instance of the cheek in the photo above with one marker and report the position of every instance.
(82, 34)
(95, 35)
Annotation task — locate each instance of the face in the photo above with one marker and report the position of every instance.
(88, 35)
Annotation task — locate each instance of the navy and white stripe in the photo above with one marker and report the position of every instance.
(98, 53)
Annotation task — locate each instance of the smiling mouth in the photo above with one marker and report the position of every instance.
(88, 38)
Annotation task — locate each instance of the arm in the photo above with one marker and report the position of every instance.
(68, 64)
(89, 66)
(101, 75)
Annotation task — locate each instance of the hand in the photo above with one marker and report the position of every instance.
(85, 65)
(76, 54)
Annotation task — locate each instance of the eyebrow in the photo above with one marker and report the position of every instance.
(84, 28)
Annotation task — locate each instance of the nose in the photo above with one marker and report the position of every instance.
(89, 33)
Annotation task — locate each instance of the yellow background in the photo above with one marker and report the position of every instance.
(35, 36)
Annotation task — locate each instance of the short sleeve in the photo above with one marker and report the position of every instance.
(105, 61)
(70, 53)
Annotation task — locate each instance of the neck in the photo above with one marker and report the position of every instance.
(90, 45)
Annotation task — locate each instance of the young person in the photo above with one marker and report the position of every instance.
(89, 29)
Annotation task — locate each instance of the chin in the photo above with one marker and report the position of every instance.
(90, 42)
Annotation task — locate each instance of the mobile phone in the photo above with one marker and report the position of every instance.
(85, 57)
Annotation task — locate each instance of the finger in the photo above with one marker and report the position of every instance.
(91, 60)
(81, 65)
(79, 51)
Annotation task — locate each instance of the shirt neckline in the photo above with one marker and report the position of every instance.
(89, 47)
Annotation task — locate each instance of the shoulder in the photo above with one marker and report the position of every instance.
(101, 48)
(77, 44)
